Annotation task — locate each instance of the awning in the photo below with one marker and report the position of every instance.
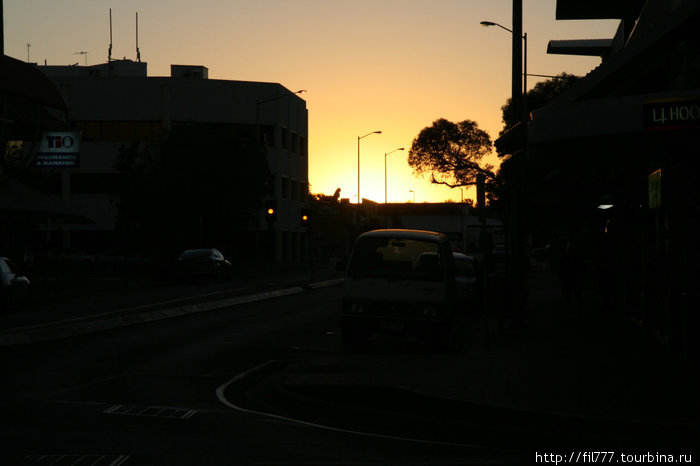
(585, 47)
(25, 80)
(598, 9)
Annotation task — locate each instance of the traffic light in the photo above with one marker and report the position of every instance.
(304, 217)
(270, 211)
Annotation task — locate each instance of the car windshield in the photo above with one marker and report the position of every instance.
(195, 254)
(396, 258)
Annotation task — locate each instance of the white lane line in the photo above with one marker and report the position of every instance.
(123, 310)
(66, 329)
(222, 398)
(315, 348)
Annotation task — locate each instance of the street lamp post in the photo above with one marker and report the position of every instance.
(385, 155)
(519, 91)
(359, 199)
(521, 94)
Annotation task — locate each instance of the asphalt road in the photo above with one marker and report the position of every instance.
(181, 391)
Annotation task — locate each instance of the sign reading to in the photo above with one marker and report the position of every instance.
(672, 114)
(59, 150)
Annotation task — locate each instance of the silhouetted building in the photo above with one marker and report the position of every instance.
(116, 104)
(30, 106)
(609, 162)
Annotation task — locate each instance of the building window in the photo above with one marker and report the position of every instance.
(295, 190)
(285, 187)
(268, 135)
(303, 192)
(284, 143)
(295, 142)
(303, 146)
(119, 131)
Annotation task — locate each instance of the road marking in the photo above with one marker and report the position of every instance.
(114, 319)
(74, 327)
(239, 377)
(107, 460)
(151, 411)
(315, 348)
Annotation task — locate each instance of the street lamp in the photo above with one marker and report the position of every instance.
(359, 199)
(400, 148)
(524, 71)
(519, 89)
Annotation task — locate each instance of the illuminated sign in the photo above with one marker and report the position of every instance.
(14, 153)
(672, 114)
(58, 150)
(655, 190)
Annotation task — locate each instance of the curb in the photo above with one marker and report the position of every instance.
(465, 422)
(120, 318)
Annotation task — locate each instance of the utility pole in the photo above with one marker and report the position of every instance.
(518, 266)
(2, 29)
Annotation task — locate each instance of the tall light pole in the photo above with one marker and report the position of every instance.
(519, 270)
(519, 95)
(385, 155)
(359, 199)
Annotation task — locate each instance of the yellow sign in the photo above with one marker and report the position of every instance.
(655, 189)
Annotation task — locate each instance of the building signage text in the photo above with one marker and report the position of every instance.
(58, 150)
(672, 114)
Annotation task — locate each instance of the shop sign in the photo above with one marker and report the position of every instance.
(655, 190)
(58, 149)
(676, 114)
(14, 153)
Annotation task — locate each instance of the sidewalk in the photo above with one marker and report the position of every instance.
(591, 366)
(76, 296)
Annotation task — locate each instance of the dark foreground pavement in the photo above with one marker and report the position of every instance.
(579, 379)
(566, 379)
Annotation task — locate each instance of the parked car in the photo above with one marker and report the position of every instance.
(114, 260)
(467, 281)
(70, 257)
(201, 263)
(14, 285)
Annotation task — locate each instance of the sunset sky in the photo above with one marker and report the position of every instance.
(389, 65)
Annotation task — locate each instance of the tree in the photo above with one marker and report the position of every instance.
(451, 152)
(196, 188)
(539, 95)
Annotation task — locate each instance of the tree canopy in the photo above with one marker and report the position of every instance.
(451, 153)
(200, 184)
(536, 97)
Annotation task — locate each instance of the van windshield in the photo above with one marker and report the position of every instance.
(396, 258)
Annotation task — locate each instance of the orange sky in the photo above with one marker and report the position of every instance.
(389, 65)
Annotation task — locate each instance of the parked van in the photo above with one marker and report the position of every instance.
(399, 282)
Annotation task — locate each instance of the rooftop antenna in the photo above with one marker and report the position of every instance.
(138, 52)
(82, 53)
(28, 45)
(109, 53)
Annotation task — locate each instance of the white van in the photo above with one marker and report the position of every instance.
(399, 282)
